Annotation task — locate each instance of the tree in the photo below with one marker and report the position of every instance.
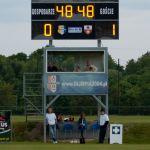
(19, 57)
(7, 97)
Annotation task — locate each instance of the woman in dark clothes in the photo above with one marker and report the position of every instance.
(82, 126)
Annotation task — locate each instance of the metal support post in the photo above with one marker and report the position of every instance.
(44, 96)
(98, 104)
(99, 43)
(50, 43)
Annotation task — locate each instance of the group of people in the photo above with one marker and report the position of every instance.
(88, 68)
(61, 118)
(82, 125)
(54, 68)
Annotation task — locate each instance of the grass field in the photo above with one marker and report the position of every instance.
(113, 119)
(38, 146)
(136, 131)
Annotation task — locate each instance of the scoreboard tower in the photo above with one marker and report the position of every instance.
(86, 73)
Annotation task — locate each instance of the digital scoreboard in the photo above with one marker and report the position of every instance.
(75, 19)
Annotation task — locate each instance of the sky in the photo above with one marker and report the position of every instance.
(15, 30)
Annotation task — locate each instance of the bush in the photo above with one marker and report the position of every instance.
(137, 133)
(133, 133)
(32, 131)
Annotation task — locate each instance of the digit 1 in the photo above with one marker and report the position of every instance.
(47, 30)
(81, 10)
(114, 30)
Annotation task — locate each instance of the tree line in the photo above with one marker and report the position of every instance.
(128, 85)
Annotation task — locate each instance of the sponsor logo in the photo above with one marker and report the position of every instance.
(74, 29)
(2, 118)
(3, 125)
(61, 29)
(51, 79)
(52, 83)
(88, 29)
(115, 130)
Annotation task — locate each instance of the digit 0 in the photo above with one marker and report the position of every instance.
(47, 30)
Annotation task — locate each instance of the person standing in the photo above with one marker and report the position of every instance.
(52, 120)
(82, 126)
(104, 121)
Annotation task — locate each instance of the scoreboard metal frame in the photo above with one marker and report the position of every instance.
(68, 19)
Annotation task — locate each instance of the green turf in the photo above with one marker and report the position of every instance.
(113, 119)
(130, 119)
(23, 118)
(38, 146)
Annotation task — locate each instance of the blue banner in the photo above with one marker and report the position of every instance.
(75, 83)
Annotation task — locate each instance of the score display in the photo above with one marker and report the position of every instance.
(67, 10)
(73, 19)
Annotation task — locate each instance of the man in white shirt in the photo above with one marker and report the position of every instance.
(52, 120)
(104, 121)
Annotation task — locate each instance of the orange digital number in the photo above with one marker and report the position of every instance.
(69, 11)
(65, 11)
(47, 30)
(86, 11)
(90, 11)
(114, 30)
(81, 10)
(60, 10)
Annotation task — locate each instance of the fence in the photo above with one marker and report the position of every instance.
(89, 110)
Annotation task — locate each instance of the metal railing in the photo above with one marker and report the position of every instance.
(89, 110)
